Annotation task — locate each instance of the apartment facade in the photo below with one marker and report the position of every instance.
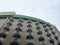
(24, 30)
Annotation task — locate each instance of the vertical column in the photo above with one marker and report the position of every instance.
(35, 36)
(23, 33)
(3, 22)
(10, 33)
(44, 34)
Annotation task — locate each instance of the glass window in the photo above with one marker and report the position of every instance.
(48, 34)
(11, 19)
(15, 41)
(29, 30)
(39, 32)
(38, 27)
(29, 25)
(6, 27)
(44, 25)
(16, 34)
(53, 32)
(18, 28)
(29, 42)
(37, 23)
(46, 30)
(20, 20)
(3, 34)
(56, 37)
(51, 28)
(9, 23)
(41, 38)
(19, 24)
(51, 40)
(29, 36)
(29, 21)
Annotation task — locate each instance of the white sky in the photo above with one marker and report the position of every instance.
(48, 10)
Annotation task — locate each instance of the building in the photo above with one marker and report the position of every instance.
(24, 30)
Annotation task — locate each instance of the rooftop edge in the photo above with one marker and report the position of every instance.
(12, 14)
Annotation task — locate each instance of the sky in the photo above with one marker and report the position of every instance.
(48, 10)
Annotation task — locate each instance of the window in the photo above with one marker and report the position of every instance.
(11, 19)
(53, 32)
(9, 23)
(51, 41)
(6, 27)
(51, 28)
(3, 34)
(29, 30)
(29, 25)
(19, 24)
(1, 40)
(37, 23)
(16, 34)
(29, 21)
(15, 41)
(46, 30)
(48, 34)
(56, 37)
(38, 27)
(29, 36)
(41, 38)
(18, 28)
(39, 32)
(30, 42)
(44, 25)
(20, 20)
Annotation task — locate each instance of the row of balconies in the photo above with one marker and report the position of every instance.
(16, 36)
(5, 29)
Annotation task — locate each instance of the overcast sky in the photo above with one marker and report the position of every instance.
(48, 10)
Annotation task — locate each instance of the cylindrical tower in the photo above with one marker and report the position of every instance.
(24, 30)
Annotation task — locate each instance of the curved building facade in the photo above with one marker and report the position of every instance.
(24, 30)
